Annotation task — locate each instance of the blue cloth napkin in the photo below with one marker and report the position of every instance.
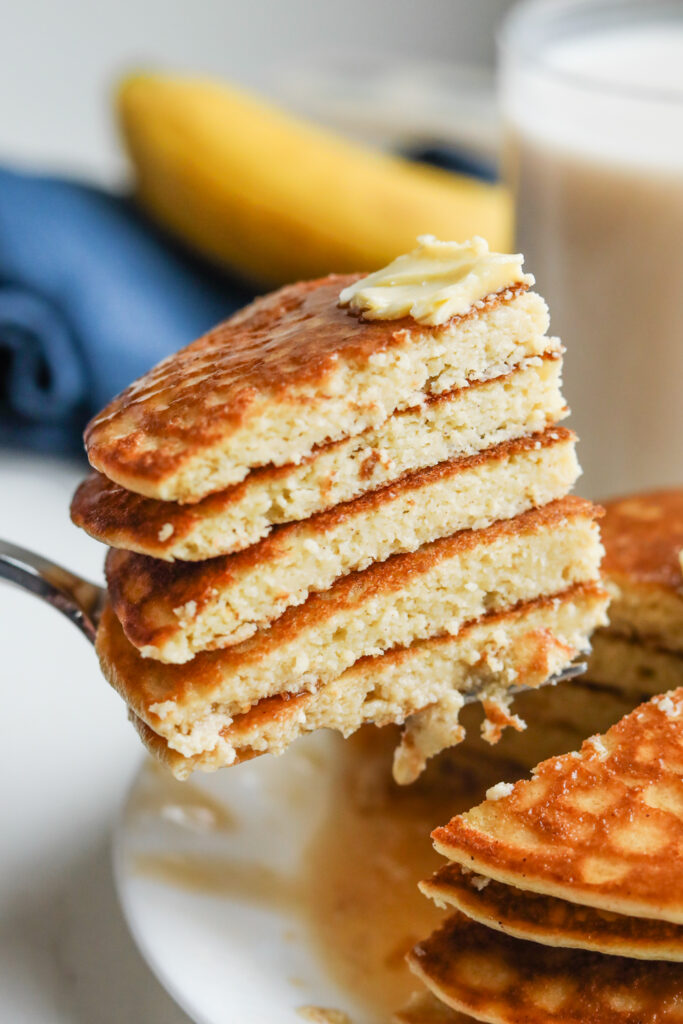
(91, 296)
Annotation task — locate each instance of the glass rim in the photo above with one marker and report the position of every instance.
(515, 39)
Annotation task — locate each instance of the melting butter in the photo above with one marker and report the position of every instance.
(435, 282)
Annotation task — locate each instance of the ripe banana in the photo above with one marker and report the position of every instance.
(277, 199)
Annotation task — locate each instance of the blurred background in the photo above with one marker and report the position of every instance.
(59, 62)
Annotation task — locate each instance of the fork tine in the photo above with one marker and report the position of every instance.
(577, 668)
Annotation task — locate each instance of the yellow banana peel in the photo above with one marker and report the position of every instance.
(277, 199)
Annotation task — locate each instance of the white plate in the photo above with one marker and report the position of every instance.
(291, 882)
(182, 851)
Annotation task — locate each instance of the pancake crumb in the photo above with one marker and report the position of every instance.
(667, 705)
(500, 790)
(599, 747)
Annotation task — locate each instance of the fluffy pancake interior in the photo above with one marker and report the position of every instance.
(173, 612)
(233, 400)
(650, 614)
(425, 593)
(518, 647)
(459, 423)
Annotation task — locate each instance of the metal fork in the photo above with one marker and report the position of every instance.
(82, 602)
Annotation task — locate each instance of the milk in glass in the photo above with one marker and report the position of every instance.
(593, 98)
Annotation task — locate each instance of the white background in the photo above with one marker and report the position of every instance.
(67, 751)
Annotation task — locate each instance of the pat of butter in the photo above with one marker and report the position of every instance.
(434, 282)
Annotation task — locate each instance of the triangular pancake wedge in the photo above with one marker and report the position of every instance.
(602, 827)
(493, 977)
(552, 922)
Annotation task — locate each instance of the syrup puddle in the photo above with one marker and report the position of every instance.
(354, 889)
(234, 879)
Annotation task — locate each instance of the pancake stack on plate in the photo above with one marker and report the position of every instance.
(568, 886)
(344, 506)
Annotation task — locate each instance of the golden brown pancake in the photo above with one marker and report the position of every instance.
(643, 537)
(602, 827)
(232, 596)
(496, 978)
(458, 423)
(521, 647)
(289, 372)
(550, 921)
(432, 591)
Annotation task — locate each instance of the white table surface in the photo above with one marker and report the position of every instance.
(67, 757)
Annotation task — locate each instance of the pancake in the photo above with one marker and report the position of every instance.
(643, 537)
(232, 596)
(458, 423)
(521, 647)
(634, 668)
(425, 593)
(602, 827)
(496, 978)
(559, 718)
(552, 922)
(425, 1008)
(291, 371)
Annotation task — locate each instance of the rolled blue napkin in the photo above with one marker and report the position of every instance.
(91, 296)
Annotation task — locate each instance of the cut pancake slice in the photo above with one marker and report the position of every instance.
(521, 647)
(459, 423)
(425, 593)
(602, 827)
(171, 612)
(643, 540)
(292, 371)
(550, 921)
(503, 980)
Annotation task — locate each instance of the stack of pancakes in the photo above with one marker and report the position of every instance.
(567, 887)
(638, 654)
(320, 520)
(641, 651)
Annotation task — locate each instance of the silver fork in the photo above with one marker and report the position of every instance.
(82, 602)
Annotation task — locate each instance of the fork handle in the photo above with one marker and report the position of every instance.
(78, 599)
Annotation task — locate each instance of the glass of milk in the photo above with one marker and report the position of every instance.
(592, 96)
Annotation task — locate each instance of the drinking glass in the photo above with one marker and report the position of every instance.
(592, 100)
